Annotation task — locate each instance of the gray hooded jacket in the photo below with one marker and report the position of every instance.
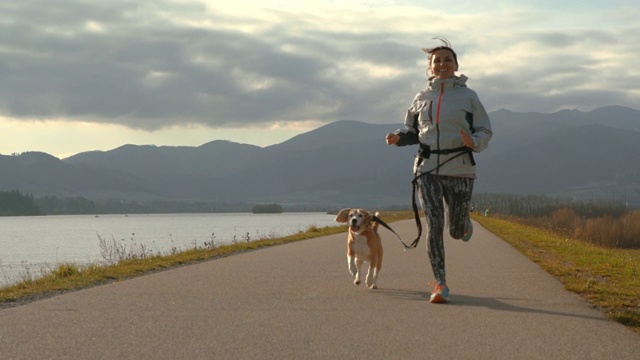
(435, 119)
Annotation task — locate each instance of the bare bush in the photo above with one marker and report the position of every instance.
(613, 233)
(607, 224)
(112, 251)
(631, 234)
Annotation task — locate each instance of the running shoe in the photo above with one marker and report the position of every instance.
(439, 293)
(469, 231)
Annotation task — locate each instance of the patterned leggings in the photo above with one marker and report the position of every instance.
(456, 193)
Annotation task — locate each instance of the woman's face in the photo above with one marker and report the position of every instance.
(443, 65)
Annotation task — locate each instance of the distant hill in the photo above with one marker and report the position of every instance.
(42, 174)
(346, 163)
(587, 155)
(581, 159)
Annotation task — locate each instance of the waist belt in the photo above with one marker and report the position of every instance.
(425, 151)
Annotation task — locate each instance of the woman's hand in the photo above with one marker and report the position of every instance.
(467, 140)
(392, 139)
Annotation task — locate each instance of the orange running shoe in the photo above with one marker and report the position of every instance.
(439, 292)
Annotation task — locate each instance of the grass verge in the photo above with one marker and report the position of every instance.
(608, 278)
(68, 277)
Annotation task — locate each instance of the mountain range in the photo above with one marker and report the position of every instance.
(584, 155)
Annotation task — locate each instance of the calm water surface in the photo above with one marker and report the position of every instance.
(30, 246)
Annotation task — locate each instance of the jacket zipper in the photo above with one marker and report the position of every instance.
(438, 125)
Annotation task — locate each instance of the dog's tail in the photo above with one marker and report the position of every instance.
(375, 223)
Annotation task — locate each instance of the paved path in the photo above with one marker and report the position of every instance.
(297, 301)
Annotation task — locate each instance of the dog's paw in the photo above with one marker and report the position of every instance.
(353, 270)
(373, 286)
(351, 264)
(356, 282)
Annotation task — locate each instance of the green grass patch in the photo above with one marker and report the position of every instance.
(608, 278)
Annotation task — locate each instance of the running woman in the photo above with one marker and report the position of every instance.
(449, 123)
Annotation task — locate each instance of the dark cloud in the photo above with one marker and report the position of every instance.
(137, 63)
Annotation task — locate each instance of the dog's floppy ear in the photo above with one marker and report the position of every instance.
(343, 216)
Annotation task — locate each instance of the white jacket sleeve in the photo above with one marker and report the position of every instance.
(481, 126)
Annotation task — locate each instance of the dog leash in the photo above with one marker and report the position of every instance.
(414, 186)
(416, 215)
(406, 247)
(462, 150)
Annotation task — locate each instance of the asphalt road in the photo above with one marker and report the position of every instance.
(297, 301)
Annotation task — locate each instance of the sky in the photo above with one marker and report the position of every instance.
(83, 75)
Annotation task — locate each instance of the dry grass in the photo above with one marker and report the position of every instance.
(610, 231)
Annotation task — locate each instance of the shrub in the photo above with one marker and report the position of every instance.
(65, 270)
(613, 233)
(607, 224)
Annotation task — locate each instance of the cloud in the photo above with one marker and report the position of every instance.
(158, 64)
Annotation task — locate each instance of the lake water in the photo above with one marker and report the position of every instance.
(31, 246)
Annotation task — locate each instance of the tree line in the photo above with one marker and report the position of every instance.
(15, 203)
(532, 206)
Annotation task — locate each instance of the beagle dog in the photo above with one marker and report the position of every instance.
(363, 244)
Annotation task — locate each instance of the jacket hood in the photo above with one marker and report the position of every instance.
(454, 81)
